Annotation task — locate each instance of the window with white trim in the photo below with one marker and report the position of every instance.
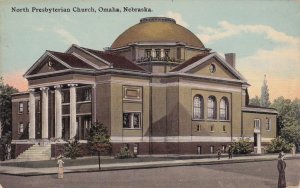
(223, 148)
(199, 150)
(21, 107)
(224, 115)
(87, 94)
(212, 108)
(21, 127)
(157, 53)
(167, 53)
(148, 53)
(136, 148)
(257, 124)
(198, 107)
(132, 120)
(268, 124)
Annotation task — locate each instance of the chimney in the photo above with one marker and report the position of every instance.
(230, 58)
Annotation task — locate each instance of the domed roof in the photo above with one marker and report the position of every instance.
(157, 29)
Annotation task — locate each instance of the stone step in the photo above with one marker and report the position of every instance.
(36, 152)
(35, 155)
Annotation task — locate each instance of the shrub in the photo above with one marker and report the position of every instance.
(72, 149)
(241, 146)
(125, 153)
(279, 144)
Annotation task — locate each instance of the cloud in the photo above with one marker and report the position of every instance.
(226, 30)
(176, 16)
(282, 67)
(16, 80)
(66, 35)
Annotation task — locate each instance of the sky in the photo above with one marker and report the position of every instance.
(265, 35)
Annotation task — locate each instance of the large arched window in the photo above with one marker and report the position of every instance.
(212, 108)
(224, 112)
(198, 107)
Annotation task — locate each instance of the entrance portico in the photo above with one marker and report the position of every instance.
(67, 104)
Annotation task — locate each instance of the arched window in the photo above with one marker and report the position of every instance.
(198, 107)
(212, 108)
(224, 115)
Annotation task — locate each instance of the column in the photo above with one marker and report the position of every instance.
(73, 124)
(258, 143)
(44, 112)
(31, 114)
(94, 103)
(58, 112)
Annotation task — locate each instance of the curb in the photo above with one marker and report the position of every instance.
(148, 166)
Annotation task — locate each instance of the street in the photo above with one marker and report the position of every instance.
(239, 175)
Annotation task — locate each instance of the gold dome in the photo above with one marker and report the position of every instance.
(157, 29)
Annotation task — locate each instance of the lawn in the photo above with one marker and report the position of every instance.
(81, 161)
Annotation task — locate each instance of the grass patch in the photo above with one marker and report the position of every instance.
(80, 162)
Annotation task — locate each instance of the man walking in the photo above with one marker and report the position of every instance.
(230, 152)
(219, 153)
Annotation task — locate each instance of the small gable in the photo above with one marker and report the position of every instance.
(214, 68)
(88, 55)
(48, 64)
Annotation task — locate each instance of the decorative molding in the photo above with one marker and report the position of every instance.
(118, 139)
(20, 100)
(259, 110)
(49, 84)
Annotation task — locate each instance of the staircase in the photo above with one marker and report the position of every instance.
(36, 153)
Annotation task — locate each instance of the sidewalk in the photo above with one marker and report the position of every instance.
(18, 171)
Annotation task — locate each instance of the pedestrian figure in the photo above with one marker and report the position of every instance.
(281, 170)
(230, 152)
(219, 153)
(294, 150)
(60, 163)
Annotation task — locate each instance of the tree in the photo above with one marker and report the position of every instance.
(288, 119)
(5, 142)
(291, 134)
(264, 97)
(255, 101)
(5, 106)
(288, 112)
(99, 139)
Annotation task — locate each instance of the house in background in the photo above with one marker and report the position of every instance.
(158, 89)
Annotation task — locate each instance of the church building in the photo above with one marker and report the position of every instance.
(157, 89)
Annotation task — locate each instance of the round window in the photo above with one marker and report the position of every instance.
(212, 68)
